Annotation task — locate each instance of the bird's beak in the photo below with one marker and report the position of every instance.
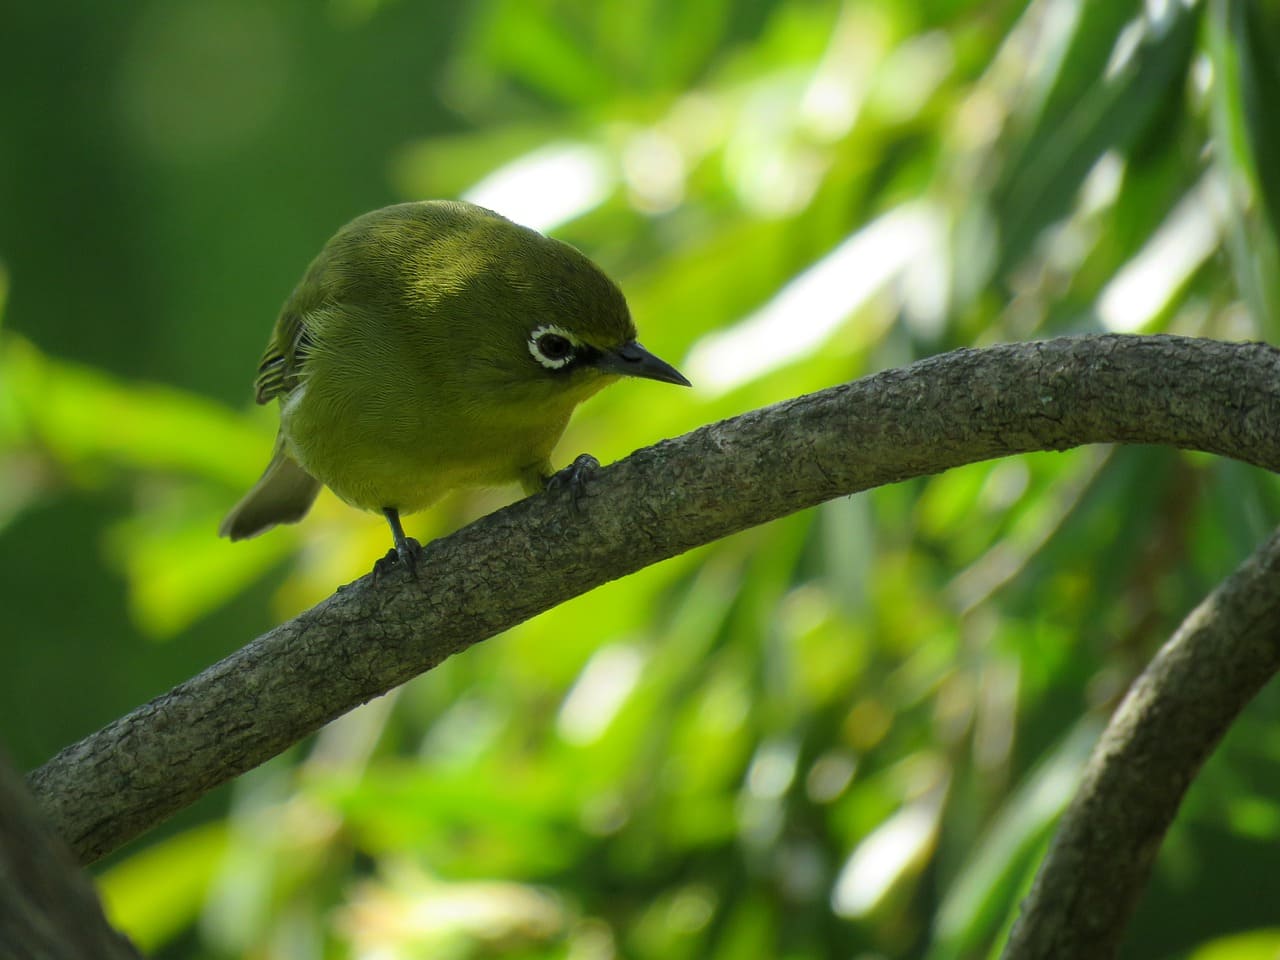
(633, 360)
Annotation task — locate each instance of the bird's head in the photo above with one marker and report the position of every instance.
(545, 323)
(579, 331)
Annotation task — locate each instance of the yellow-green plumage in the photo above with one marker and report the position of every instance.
(419, 353)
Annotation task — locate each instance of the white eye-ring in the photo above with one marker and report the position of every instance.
(552, 346)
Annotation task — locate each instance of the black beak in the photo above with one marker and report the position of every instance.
(633, 360)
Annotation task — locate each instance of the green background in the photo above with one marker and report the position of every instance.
(845, 734)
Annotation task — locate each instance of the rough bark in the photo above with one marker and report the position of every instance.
(949, 410)
(48, 907)
(1170, 721)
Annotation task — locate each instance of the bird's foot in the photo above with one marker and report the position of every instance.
(573, 478)
(403, 556)
(406, 551)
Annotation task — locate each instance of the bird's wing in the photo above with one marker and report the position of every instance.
(285, 357)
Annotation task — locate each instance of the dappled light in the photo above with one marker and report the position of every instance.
(847, 733)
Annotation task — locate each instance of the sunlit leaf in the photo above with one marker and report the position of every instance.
(1255, 945)
(155, 894)
(978, 902)
(86, 417)
(1148, 74)
(1245, 81)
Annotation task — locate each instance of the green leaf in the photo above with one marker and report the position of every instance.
(153, 895)
(1040, 185)
(981, 898)
(86, 417)
(1241, 44)
(1254, 945)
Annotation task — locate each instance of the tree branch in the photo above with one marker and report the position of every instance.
(949, 410)
(1171, 719)
(48, 907)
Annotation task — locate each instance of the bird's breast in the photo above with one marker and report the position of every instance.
(398, 449)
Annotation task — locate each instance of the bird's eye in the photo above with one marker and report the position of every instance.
(551, 347)
(554, 347)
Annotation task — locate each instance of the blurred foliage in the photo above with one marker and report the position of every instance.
(845, 734)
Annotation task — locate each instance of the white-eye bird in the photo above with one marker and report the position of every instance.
(430, 346)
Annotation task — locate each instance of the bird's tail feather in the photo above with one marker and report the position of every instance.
(283, 494)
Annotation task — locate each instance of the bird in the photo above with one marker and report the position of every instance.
(431, 346)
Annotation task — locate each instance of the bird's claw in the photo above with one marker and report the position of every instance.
(574, 479)
(404, 555)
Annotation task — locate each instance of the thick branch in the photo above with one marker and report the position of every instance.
(1170, 721)
(48, 907)
(949, 410)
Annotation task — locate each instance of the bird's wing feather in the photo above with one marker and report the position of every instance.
(286, 355)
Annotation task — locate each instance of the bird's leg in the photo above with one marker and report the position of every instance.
(406, 549)
(573, 478)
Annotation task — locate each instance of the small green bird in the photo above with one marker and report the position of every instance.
(432, 346)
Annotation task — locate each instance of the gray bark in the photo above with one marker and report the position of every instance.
(949, 410)
(48, 907)
(1171, 719)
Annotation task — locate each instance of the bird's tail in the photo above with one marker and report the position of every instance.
(283, 494)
